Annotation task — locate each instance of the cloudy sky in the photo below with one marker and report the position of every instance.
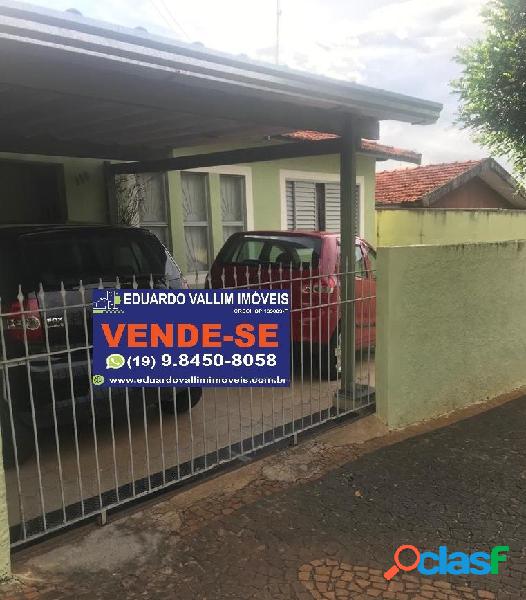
(401, 45)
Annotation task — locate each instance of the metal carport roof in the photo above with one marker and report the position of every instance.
(73, 86)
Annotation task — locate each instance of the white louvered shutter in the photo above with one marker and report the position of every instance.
(301, 205)
(332, 208)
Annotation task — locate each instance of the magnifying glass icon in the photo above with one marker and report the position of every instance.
(398, 566)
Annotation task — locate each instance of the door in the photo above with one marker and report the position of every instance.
(32, 193)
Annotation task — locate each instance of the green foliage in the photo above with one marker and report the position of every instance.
(492, 88)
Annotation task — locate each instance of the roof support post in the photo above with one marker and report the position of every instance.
(347, 259)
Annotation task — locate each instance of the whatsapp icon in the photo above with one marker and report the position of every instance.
(115, 361)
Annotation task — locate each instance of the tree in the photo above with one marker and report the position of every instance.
(492, 87)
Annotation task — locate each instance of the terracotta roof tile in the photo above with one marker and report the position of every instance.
(366, 145)
(411, 184)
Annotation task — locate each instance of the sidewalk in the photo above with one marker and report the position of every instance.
(321, 520)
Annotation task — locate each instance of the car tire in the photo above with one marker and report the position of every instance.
(25, 441)
(183, 400)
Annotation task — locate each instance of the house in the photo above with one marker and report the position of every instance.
(59, 139)
(194, 211)
(197, 210)
(84, 103)
(471, 184)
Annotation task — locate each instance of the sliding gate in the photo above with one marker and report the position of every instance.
(72, 451)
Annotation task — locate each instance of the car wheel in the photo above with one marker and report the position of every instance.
(25, 441)
(183, 400)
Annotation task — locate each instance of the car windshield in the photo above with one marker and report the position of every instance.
(286, 251)
(70, 256)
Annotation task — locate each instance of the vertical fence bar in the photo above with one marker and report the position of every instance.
(338, 336)
(42, 299)
(6, 388)
(311, 344)
(330, 349)
(32, 404)
(72, 393)
(91, 397)
(292, 378)
(176, 423)
(273, 424)
(301, 349)
(320, 345)
(283, 420)
(146, 438)
(161, 434)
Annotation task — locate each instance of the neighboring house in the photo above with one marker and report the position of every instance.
(472, 184)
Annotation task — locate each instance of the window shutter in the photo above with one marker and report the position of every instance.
(301, 205)
(290, 204)
(332, 208)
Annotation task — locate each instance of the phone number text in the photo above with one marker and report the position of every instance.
(202, 360)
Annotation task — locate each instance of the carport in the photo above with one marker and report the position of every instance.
(70, 86)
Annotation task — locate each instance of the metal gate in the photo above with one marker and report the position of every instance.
(72, 450)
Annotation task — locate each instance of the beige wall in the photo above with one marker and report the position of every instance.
(451, 327)
(474, 194)
(404, 227)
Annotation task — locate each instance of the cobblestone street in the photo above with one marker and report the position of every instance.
(321, 520)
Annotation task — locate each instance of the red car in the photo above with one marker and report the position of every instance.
(307, 263)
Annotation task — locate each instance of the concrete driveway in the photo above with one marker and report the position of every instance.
(154, 442)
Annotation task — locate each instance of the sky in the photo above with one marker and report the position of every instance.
(404, 46)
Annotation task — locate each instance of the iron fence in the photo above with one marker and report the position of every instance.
(73, 450)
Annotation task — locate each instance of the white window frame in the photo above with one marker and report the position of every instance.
(161, 224)
(246, 172)
(207, 224)
(317, 177)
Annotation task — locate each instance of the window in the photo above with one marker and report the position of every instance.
(154, 210)
(302, 210)
(233, 205)
(283, 250)
(316, 205)
(83, 254)
(330, 219)
(249, 251)
(195, 219)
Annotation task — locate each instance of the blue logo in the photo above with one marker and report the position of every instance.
(108, 302)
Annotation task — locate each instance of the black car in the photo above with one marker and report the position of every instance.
(47, 275)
